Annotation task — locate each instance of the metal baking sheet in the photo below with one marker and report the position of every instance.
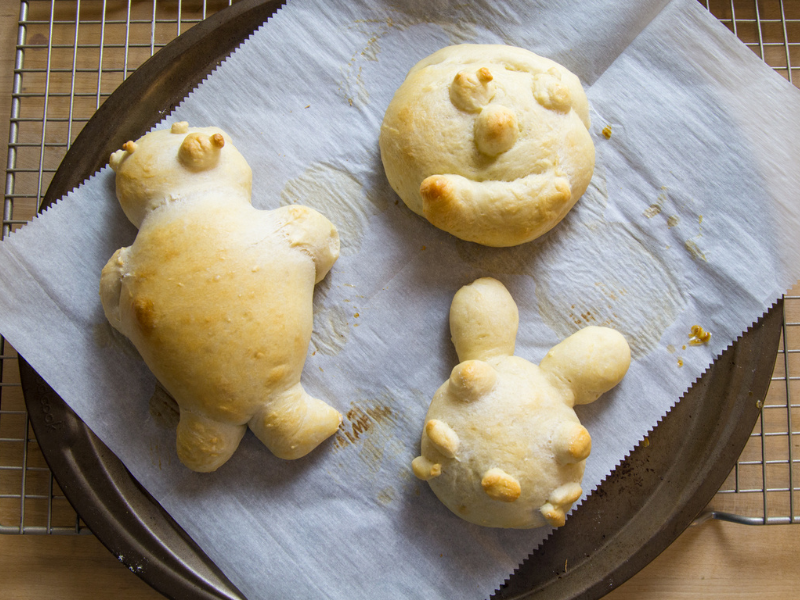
(636, 513)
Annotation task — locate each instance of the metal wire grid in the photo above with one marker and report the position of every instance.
(762, 488)
(72, 54)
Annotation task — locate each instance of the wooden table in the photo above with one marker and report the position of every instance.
(713, 560)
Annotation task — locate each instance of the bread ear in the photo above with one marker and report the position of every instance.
(590, 362)
(116, 158)
(483, 320)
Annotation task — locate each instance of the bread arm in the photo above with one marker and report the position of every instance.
(312, 233)
(111, 287)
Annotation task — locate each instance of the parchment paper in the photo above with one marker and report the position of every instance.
(691, 218)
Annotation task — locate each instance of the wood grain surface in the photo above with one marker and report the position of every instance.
(712, 560)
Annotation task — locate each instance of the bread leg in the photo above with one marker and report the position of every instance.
(204, 445)
(293, 423)
(571, 443)
(559, 502)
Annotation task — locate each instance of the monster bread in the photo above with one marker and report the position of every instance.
(217, 295)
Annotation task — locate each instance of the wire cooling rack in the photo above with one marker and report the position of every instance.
(71, 55)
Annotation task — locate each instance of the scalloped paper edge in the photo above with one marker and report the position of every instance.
(575, 507)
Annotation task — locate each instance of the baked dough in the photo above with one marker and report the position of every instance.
(217, 296)
(501, 444)
(489, 142)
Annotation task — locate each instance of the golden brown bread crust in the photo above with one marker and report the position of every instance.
(217, 296)
(488, 142)
(501, 445)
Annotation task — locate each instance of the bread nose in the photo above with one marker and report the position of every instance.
(496, 129)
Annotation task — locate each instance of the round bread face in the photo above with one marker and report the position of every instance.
(510, 433)
(489, 142)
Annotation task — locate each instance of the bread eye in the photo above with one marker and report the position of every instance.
(472, 91)
(550, 92)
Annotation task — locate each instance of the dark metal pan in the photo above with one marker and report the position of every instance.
(636, 513)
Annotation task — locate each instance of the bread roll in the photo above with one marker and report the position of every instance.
(489, 143)
(502, 445)
(217, 296)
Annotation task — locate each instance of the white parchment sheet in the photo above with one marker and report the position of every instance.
(691, 218)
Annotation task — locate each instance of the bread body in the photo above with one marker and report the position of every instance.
(502, 445)
(489, 142)
(217, 298)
